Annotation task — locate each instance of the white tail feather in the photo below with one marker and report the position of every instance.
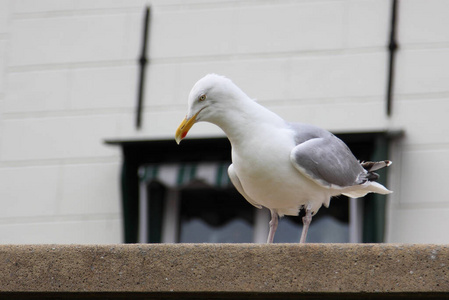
(363, 189)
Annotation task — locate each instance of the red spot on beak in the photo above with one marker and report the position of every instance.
(184, 134)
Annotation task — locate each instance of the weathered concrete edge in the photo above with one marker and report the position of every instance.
(225, 268)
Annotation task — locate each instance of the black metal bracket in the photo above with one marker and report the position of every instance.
(392, 47)
(143, 61)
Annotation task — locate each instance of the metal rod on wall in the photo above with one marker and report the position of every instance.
(143, 60)
(393, 46)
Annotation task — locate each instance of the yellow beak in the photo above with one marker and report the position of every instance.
(184, 128)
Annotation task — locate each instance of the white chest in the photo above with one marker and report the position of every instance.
(268, 176)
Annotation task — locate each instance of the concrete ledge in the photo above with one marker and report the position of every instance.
(224, 270)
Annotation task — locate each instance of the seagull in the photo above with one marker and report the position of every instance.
(280, 165)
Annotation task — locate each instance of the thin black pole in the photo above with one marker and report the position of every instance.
(393, 46)
(143, 60)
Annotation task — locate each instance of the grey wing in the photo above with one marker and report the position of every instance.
(236, 182)
(325, 159)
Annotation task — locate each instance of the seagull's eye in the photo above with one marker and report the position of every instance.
(202, 98)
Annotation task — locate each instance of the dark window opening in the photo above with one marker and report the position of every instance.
(209, 215)
(365, 146)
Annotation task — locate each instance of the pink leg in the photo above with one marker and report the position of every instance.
(273, 225)
(306, 222)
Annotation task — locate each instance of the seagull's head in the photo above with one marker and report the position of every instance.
(209, 98)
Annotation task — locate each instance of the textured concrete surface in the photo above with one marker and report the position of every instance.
(225, 268)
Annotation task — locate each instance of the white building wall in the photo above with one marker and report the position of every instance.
(68, 71)
(419, 210)
(68, 80)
